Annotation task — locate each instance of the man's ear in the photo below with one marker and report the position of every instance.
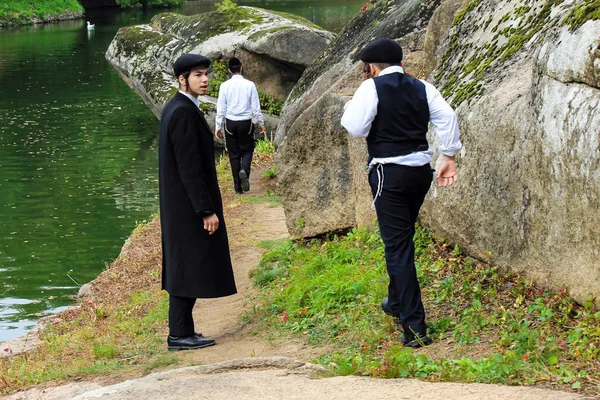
(372, 71)
(181, 80)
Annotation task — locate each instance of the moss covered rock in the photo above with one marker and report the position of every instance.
(144, 55)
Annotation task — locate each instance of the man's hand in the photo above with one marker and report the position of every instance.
(447, 173)
(218, 135)
(262, 130)
(211, 223)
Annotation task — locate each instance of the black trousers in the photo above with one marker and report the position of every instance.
(239, 139)
(399, 192)
(181, 322)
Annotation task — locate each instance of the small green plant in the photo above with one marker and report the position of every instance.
(264, 146)
(300, 222)
(270, 173)
(269, 104)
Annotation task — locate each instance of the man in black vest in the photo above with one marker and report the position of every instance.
(393, 110)
(196, 260)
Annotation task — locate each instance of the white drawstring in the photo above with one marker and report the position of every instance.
(380, 177)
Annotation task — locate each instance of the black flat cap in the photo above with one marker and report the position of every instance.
(382, 51)
(188, 61)
(234, 62)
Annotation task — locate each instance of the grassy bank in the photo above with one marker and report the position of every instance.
(488, 326)
(119, 331)
(25, 12)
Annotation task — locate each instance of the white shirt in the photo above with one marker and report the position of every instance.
(360, 112)
(238, 101)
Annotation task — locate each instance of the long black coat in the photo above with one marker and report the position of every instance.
(195, 264)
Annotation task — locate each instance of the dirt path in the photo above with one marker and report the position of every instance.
(247, 225)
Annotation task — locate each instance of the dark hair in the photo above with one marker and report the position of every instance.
(379, 65)
(235, 69)
(186, 75)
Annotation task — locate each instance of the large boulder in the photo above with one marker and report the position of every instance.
(526, 86)
(524, 80)
(274, 47)
(321, 169)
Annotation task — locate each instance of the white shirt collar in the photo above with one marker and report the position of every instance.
(192, 98)
(392, 69)
(238, 76)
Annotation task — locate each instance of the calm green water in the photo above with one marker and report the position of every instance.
(78, 160)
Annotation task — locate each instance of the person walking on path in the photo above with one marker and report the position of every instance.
(238, 104)
(196, 259)
(393, 110)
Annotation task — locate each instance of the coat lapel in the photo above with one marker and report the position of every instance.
(187, 101)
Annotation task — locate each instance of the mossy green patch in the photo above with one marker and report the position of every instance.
(294, 18)
(462, 81)
(135, 39)
(589, 10)
(265, 32)
(460, 15)
(207, 25)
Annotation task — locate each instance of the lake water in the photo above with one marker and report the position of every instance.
(78, 160)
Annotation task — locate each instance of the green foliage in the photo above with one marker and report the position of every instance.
(329, 291)
(269, 103)
(148, 3)
(19, 12)
(264, 146)
(270, 173)
(225, 5)
(586, 11)
(219, 74)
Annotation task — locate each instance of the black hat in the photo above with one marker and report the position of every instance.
(234, 62)
(382, 51)
(188, 61)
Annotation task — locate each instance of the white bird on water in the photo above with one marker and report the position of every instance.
(90, 26)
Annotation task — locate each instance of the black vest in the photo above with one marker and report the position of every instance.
(400, 126)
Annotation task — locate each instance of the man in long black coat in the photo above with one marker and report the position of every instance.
(196, 259)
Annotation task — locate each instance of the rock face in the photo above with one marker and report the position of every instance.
(524, 80)
(321, 169)
(275, 48)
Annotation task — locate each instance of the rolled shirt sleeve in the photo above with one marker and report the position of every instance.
(360, 112)
(255, 106)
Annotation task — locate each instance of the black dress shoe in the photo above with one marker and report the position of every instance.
(244, 182)
(196, 341)
(416, 341)
(388, 310)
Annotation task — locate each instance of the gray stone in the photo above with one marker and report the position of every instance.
(84, 291)
(274, 47)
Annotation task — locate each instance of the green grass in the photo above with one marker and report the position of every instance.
(99, 341)
(17, 12)
(488, 326)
